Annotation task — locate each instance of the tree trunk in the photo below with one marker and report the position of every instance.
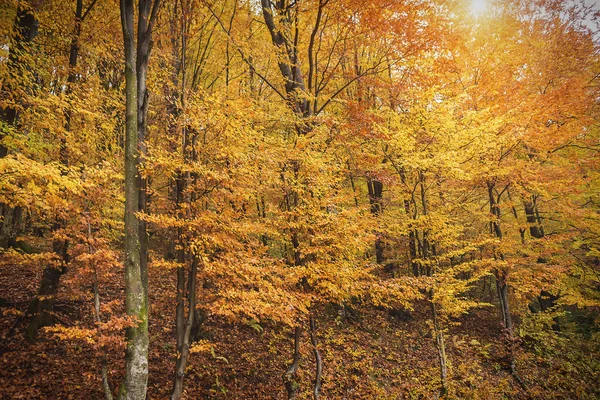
(103, 359)
(545, 299)
(375, 189)
(502, 284)
(278, 19)
(136, 273)
(289, 377)
(10, 225)
(318, 359)
(142, 57)
(535, 228)
(502, 288)
(412, 251)
(26, 25)
(441, 347)
(184, 333)
(184, 325)
(40, 309)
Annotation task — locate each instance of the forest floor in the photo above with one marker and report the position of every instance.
(367, 354)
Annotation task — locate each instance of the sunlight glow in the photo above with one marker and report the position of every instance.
(478, 7)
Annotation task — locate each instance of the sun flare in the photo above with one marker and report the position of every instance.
(478, 7)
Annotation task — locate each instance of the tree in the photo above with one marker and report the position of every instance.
(137, 53)
(41, 306)
(25, 29)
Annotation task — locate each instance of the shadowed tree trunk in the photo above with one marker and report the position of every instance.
(441, 347)
(290, 375)
(501, 276)
(535, 227)
(103, 358)
(25, 30)
(290, 203)
(428, 254)
(185, 285)
(375, 190)
(41, 307)
(545, 299)
(318, 359)
(280, 18)
(184, 326)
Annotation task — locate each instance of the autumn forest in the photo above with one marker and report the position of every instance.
(299, 199)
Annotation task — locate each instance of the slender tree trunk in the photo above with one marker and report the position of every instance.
(502, 288)
(262, 214)
(318, 359)
(103, 359)
(291, 202)
(183, 334)
(352, 184)
(143, 49)
(184, 325)
(375, 190)
(281, 20)
(441, 347)
(502, 284)
(428, 254)
(500, 275)
(228, 56)
(289, 377)
(179, 183)
(412, 241)
(412, 251)
(9, 227)
(412, 234)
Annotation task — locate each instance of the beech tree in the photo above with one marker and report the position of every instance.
(41, 306)
(23, 32)
(137, 54)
